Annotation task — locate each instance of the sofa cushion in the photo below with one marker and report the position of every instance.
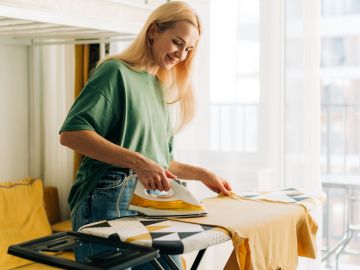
(51, 202)
(63, 226)
(38, 266)
(22, 217)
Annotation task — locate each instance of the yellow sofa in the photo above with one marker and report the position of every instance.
(27, 211)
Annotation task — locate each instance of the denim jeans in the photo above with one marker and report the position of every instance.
(109, 200)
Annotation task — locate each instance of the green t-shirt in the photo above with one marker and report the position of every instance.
(127, 108)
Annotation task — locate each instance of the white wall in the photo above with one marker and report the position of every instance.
(14, 146)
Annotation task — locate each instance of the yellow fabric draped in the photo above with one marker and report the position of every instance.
(265, 235)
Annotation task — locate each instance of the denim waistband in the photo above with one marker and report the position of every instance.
(117, 169)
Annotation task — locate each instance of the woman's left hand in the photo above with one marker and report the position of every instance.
(216, 183)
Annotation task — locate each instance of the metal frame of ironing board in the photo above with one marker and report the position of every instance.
(34, 250)
(174, 266)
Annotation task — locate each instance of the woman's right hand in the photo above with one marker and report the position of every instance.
(91, 144)
(153, 176)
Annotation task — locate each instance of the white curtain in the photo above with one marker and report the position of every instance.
(13, 112)
(51, 95)
(290, 94)
(288, 151)
(302, 94)
(214, 72)
(302, 104)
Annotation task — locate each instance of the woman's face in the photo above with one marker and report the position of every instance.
(173, 45)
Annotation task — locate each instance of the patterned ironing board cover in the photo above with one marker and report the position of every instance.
(175, 237)
(169, 236)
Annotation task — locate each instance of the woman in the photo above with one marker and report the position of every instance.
(121, 123)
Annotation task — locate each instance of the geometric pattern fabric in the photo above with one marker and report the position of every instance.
(169, 236)
(289, 195)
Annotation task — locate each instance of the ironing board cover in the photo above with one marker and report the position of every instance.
(288, 195)
(176, 237)
(169, 236)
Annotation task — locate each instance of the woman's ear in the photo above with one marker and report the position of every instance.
(151, 32)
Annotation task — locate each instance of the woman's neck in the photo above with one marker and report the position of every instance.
(152, 70)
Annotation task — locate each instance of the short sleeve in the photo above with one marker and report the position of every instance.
(98, 107)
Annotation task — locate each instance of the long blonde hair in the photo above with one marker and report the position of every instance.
(177, 81)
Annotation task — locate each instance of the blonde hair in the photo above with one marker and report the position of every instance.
(177, 81)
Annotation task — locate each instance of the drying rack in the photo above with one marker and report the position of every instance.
(46, 22)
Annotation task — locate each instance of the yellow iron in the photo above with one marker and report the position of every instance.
(177, 202)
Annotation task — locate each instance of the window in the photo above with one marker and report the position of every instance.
(340, 104)
(336, 7)
(340, 130)
(234, 87)
(340, 117)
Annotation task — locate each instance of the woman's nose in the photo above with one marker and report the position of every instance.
(181, 54)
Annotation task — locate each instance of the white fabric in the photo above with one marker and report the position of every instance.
(302, 104)
(52, 93)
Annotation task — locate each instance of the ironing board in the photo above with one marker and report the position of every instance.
(169, 236)
(270, 215)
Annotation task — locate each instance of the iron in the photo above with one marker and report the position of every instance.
(177, 202)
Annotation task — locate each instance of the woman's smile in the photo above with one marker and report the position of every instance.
(170, 59)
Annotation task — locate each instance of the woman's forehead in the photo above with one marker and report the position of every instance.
(185, 31)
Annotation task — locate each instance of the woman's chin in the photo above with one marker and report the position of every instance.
(168, 66)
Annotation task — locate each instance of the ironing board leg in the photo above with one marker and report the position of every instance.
(198, 258)
(170, 262)
(174, 266)
(156, 264)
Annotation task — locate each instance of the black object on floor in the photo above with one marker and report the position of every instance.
(111, 255)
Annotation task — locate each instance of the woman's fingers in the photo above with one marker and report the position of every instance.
(217, 184)
(165, 180)
(154, 181)
(162, 183)
(227, 185)
(155, 177)
(165, 184)
(170, 174)
(152, 184)
(145, 184)
(223, 189)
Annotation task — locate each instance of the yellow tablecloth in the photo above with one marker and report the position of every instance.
(265, 235)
